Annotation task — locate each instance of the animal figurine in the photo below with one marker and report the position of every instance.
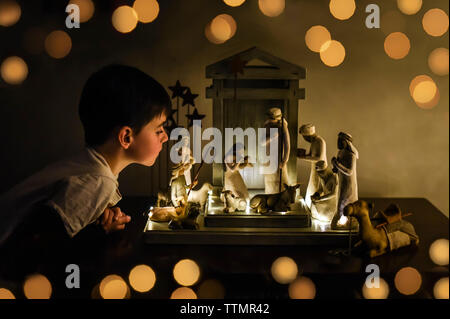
(187, 219)
(231, 202)
(263, 203)
(395, 233)
(200, 196)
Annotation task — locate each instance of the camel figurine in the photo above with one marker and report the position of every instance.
(263, 203)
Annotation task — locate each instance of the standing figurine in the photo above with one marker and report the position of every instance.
(178, 184)
(186, 157)
(324, 201)
(345, 165)
(272, 179)
(317, 152)
(233, 162)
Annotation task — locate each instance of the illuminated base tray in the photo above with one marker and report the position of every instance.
(238, 220)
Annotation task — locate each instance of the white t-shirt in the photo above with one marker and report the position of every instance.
(79, 189)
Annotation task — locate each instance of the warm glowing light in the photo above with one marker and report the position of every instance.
(381, 292)
(302, 288)
(183, 293)
(142, 278)
(58, 44)
(408, 281)
(234, 3)
(124, 19)
(397, 45)
(113, 287)
(186, 272)
(342, 9)
(435, 22)
(221, 29)
(37, 287)
(440, 290)
(316, 37)
(333, 53)
(343, 220)
(424, 92)
(9, 12)
(87, 9)
(392, 21)
(209, 35)
(439, 251)
(409, 7)
(438, 61)
(14, 70)
(6, 294)
(211, 289)
(272, 8)
(147, 10)
(284, 270)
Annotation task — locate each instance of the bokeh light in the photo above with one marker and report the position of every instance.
(408, 281)
(211, 289)
(271, 8)
(316, 37)
(439, 251)
(6, 294)
(333, 53)
(440, 290)
(87, 9)
(302, 288)
(381, 292)
(113, 287)
(209, 35)
(435, 22)
(284, 270)
(37, 287)
(409, 7)
(424, 92)
(222, 28)
(14, 70)
(183, 293)
(438, 61)
(34, 39)
(142, 278)
(392, 21)
(58, 44)
(342, 9)
(234, 3)
(397, 45)
(147, 10)
(124, 19)
(9, 12)
(186, 272)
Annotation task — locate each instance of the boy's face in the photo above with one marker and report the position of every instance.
(148, 143)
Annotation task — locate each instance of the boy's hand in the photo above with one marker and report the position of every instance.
(114, 219)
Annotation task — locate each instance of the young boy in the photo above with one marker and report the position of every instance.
(122, 111)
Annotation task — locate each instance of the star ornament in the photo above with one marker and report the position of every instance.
(194, 116)
(237, 65)
(177, 90)
(188, 98)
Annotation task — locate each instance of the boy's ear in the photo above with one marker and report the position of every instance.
(125, 136)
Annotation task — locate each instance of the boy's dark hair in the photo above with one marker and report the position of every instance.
(116, 96)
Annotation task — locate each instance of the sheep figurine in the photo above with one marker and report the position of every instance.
(231, 202)
(200, 196)
(263, 203)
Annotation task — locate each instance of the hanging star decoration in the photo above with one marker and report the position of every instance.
(188, 98)
(194, 116)
(237, 65)
(171, 124)
(177, 89)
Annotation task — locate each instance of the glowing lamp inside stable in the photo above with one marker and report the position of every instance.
(439, 252)
(14, 70)
(409, 7)
(234, 3)
(87, 9)
(186, 272)
(6, 294)
(440, 290)
(211, 289)
(302, 288)
(183, 293)
(397, 45)
(342, 9)
(142, 278)
(408, 281)
(272, 8)
(332, 53)
(58, 44)
(435, 22)
(124, 19)
(380, 292)
(9, 12)
(438, 61)
(113, 287)
(316, 37)
(284, 270)
(37, 287)
(147, 10)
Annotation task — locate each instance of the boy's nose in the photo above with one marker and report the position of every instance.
(165, 137)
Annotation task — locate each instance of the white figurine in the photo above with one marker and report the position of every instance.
(345, 165)
(186, 157)
(233, 162)
(317, 152)
(324, 201)
(178, 193)
(272, 179)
